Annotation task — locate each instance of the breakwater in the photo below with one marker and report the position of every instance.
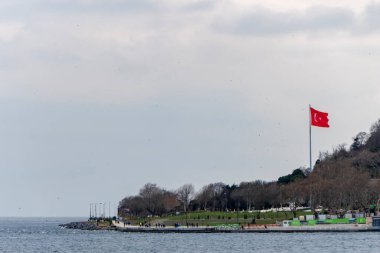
(85, 225)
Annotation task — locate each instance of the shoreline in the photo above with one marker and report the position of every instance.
(85, 225)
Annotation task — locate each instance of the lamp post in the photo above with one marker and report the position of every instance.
(237, 211)
(104, 210)
(100, 210)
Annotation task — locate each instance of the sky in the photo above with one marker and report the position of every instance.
(99, 97)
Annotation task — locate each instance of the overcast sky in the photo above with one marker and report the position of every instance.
(99, 97)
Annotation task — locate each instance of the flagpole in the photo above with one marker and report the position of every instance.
(310, 149)
(310, 137)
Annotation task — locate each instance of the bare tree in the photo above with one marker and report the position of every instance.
(218, 196)
(250, 192)
(205, 196)
(185, 194)
(153, 197)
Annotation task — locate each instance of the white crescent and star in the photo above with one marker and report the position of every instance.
(315, 118)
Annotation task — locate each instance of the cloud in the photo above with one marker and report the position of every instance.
(9, 31)
(370, 18)
(266, 22)
(83, 6)
(200, 5)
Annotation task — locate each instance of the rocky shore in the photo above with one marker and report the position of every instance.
(84, 225)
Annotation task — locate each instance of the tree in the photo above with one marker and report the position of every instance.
(205, 196)
(185, 194)
(237, 195)
(296, 174)
(373, 142)
(219, 196)
(251, 192)
(132, 205)
(359, 141)
(153, 197)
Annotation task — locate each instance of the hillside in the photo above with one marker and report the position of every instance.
(347, 178)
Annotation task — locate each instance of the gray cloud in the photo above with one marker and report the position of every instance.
(264, 22)
(115, 6)
(371, 18)
(28, 9)
(203, 5)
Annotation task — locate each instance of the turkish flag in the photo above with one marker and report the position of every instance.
(318, 118)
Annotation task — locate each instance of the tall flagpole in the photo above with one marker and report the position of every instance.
(310, 137)
(310, 150)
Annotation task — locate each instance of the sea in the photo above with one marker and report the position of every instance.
(45, 235)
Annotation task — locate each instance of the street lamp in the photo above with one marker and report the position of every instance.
(100, 210)
(237, 211)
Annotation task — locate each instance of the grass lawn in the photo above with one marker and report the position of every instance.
(219, 218)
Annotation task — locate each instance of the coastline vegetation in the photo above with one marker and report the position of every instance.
(347, 179)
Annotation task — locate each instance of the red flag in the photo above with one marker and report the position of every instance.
(318, 118)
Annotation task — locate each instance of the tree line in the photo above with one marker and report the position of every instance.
(347, 178)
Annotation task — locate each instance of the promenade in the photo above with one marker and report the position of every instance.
(248, 229)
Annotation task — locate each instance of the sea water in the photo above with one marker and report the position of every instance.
(44, 235)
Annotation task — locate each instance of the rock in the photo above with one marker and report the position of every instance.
(82, 225)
